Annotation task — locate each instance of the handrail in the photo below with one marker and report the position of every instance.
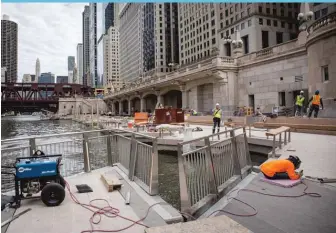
(322, 22)
(209, 136)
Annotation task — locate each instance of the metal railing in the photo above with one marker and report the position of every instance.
(90, 150)
(210, 170)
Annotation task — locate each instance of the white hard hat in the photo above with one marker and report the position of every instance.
(217, 104)
(301, 91)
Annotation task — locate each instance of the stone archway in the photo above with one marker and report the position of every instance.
(116, 108)
(150, 102)
(173, 98)
(135, 104)
(124, 107)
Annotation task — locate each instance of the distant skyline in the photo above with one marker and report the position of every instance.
(48, 31)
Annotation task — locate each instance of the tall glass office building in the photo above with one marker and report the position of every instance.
(100, 44)
(93, 45)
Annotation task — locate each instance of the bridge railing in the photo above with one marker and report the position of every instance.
(211, 168)
(134, 153)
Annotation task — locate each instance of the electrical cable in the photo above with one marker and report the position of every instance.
(304, 193)
(112, 212)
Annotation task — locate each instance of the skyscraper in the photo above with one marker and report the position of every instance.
(47, 78)
(130, 38)
(37, 70)
(9, 48)
(62, 79)
(71, 66)
(26, 78)
(93, 46)
(149, 39)
(86, 43)
(80, 63)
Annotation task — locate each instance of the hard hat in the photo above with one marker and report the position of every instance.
(301, 92)
(295, 160)
(217, 104)
(317, 92)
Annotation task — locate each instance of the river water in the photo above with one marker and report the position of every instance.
(23, 126)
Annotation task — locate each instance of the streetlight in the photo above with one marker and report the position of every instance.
(304, 17)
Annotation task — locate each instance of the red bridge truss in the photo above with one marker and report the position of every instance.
(37, 96)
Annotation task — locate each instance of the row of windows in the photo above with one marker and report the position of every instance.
(197, 48)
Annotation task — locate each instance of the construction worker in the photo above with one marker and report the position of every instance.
(282, 169)
(299, 103)
(217, 116)
(316, 102)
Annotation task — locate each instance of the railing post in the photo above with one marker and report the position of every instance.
(185, 201)
(154, 179)
(109, 149)
(133, 158)
(280, 140)
(237, 169)
(210, 165)
(87, 167)
(32, 146)
(247, 147)
(273, 149)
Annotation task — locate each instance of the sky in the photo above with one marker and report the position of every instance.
(48, 31)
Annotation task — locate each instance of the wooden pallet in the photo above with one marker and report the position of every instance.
(111, 182)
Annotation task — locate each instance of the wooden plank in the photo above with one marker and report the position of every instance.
(277, 131)
(111, 182)
(296, 126)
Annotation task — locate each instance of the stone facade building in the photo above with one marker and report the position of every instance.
(263, 78)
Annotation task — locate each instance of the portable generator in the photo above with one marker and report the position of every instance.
(38, 173)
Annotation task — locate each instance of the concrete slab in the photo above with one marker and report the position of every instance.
(221, 224)
(317, 153)
(70, 217)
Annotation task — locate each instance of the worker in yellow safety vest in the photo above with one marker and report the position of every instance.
(217, 116)
(299, 104)
(316, 103)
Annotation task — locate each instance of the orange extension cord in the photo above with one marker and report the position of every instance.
(112, 212)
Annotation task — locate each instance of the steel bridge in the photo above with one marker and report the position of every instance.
(31, 97)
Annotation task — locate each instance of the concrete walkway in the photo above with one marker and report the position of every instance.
(317, 153)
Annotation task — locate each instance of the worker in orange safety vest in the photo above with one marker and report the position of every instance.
(316, 102)
(282, 168)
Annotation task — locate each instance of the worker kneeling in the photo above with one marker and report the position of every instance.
(282, 169)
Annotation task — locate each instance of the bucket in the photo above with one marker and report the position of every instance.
(130, 125)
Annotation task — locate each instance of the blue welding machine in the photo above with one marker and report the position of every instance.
(38, 173)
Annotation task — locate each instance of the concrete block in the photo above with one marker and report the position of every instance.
(222, 224)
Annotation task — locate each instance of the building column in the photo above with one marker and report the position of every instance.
(185, 99)
(113, 107)
(159, 98)
(129, 106)
(120, 107)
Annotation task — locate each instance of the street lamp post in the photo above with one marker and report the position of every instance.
(304, 17)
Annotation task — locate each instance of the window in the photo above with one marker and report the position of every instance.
(290, 26)
(242, 14)
(264, 39)
(221, 15)
(325, 73)
(245, 40)
(213, 40)
(249, 23)
(248, 11)
(274, 12)
(282, 12)
(268, 11)
(317, 14)
(292, 36)
(242, 26)
(282, 98)
(213, 32)
(275, 23)
(260, 21)
(260, 9)
(232, 30)
(283, 24)
(279, 37)
(324, 11)
(269, 22)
